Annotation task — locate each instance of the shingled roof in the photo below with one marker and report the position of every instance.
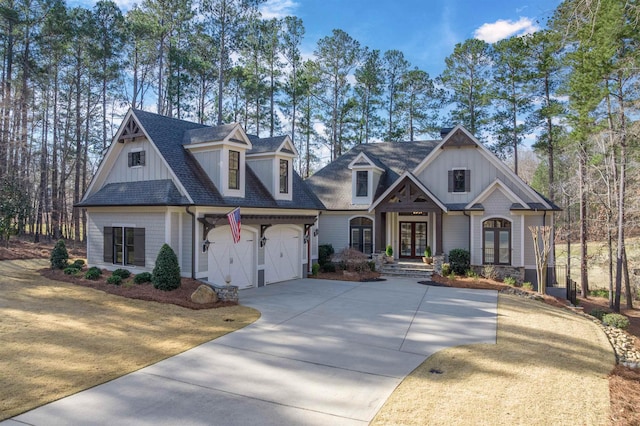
(332, 184)
(170, 135)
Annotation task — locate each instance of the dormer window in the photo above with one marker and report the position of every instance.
(234, 170)
(136, 158)
(362, 183)
(284, 176)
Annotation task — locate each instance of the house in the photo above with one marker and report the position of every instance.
(171, 181)
(446, 194)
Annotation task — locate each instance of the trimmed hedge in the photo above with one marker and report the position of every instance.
(123, 273)
(93, 273)
(460, 260)
(71, 270)
(114, 279)
(166, 274)
(143, 277)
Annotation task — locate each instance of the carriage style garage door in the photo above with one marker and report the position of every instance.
(235, 260)
(282, 254)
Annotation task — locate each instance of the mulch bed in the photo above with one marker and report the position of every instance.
(181, 296)
(20, 248)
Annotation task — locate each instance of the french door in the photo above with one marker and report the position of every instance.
(413, 239)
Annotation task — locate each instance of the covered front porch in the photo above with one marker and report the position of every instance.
(409, 218)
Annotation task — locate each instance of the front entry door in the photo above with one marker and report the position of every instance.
(413, 239)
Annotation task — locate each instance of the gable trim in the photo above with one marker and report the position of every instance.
(101, 175)
(487, 154)
(363, 157)
(420, 186)
(496, 184)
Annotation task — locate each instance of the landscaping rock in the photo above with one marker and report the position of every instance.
(204, 294)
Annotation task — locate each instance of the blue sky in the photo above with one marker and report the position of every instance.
(426, 31)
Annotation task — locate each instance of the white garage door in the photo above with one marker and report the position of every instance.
(282, 254)
(235, 260)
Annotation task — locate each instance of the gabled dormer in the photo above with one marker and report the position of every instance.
(272, 159)
(221, 151)
(365, 176)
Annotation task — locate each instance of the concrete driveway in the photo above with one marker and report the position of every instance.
(323, 352)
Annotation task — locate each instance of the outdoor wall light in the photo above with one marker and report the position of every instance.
(306, 239)
(315, 232)
(205, 246)
(263, 242)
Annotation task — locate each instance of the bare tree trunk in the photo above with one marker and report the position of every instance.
(584, 277)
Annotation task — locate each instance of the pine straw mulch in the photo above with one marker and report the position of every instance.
(23, 248)
(146, 291)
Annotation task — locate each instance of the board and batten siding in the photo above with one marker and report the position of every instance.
(497, 205)
(153, 169)
(153, 223)
(455, 232)
(264, 170)
(210, 162)
(529, 253)
(483, 173)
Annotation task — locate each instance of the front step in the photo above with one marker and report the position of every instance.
(408, 269)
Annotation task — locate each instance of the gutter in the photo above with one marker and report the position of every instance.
(193, 242)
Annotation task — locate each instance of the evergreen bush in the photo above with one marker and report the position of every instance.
(166, 274)
(598, 313)
(78, 263)
(315, 268)
(324, 253)
(59, 256)
(93, 273)
(114, 279)
(389, 250)
(144, 277)
(459, 259)
(71, 270)
(123, 273)
(329, 267)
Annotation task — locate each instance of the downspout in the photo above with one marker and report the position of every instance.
(193, 242)
(464, 212)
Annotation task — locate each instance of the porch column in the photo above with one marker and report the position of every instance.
(380, 231)
(438, 232)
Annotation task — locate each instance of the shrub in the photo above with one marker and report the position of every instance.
(489, 271)
(372, 265)
(427, 252)
(123, 273)
(527, 285)
(598, 313)
(315, 268)
(471, 273)
(446, 269)
(166, 273)
(459, 260)
(324, 253)
(616, 320)
(599, 293)
(329, 267)
(114, 279)
(389, 250)
(143, 277)
(71, 270)
(59, 256)
(352, 260)
(93, 273)
(78, 263)
(510, 281)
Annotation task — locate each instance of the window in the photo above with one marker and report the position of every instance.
(284, 177)
(361, 234)
(496, 242)
(362, 183)
(459, 180)
(234, 170)
(136, 158)
(124, 245)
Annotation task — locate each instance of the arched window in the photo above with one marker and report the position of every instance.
(496, 238)
(361, 234)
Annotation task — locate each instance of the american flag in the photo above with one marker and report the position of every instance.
(234, 223)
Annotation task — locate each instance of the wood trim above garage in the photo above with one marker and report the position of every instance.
(210, 221)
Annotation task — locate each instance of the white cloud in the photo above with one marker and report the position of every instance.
(501, 29)
(278, 8)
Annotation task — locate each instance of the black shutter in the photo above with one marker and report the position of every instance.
(450, 180)
(142, 157)
(108, 244)
(130, 157)
(467, 181)
(138, 247)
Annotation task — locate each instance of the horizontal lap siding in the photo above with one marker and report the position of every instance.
(154, 224)
(455, 233)
(334, 230)
(529, 253)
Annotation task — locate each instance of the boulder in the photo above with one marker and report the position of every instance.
(204, 294)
